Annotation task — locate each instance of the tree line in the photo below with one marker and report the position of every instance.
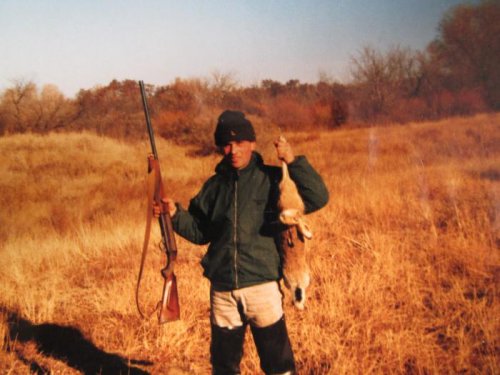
(457, 74)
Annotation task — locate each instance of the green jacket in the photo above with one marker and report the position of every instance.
(235, 212)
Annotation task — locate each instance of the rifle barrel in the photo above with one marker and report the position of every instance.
(148, 120)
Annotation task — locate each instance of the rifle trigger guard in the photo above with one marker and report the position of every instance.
(161, 246)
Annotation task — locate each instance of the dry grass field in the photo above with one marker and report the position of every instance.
(405, 260)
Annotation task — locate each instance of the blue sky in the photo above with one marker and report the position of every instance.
(78, 44)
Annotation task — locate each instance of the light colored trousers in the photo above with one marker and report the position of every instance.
(259, 305)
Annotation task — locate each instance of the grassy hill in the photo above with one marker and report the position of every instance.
(405, 259)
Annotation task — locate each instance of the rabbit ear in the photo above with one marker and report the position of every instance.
(304, 229)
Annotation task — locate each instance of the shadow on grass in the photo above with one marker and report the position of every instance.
(66, 344)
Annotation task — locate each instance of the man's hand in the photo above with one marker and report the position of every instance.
(169, 206)
(284, 150)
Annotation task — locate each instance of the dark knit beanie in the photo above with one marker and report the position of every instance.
(233, 126)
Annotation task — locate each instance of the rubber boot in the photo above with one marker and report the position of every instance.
(273, 346)
(226, 349)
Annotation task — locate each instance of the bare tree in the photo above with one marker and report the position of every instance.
(17, 107)
(467, 49)
(383, 79)
(24, 108)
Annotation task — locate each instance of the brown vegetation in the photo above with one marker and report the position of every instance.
(404, 264)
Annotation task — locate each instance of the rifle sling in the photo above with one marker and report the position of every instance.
(151, 187)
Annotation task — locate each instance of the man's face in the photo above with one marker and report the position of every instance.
(238, 153)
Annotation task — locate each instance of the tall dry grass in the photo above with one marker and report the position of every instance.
(405, 259)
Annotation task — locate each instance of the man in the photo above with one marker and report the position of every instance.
(235, 213)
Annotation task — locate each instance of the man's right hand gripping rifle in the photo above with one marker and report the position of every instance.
(168, 206)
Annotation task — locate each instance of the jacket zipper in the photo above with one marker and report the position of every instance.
(235, 235)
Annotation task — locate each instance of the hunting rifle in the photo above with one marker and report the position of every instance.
(169, 304)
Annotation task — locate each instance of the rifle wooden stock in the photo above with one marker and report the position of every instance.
(169, 304)
(169, 309)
